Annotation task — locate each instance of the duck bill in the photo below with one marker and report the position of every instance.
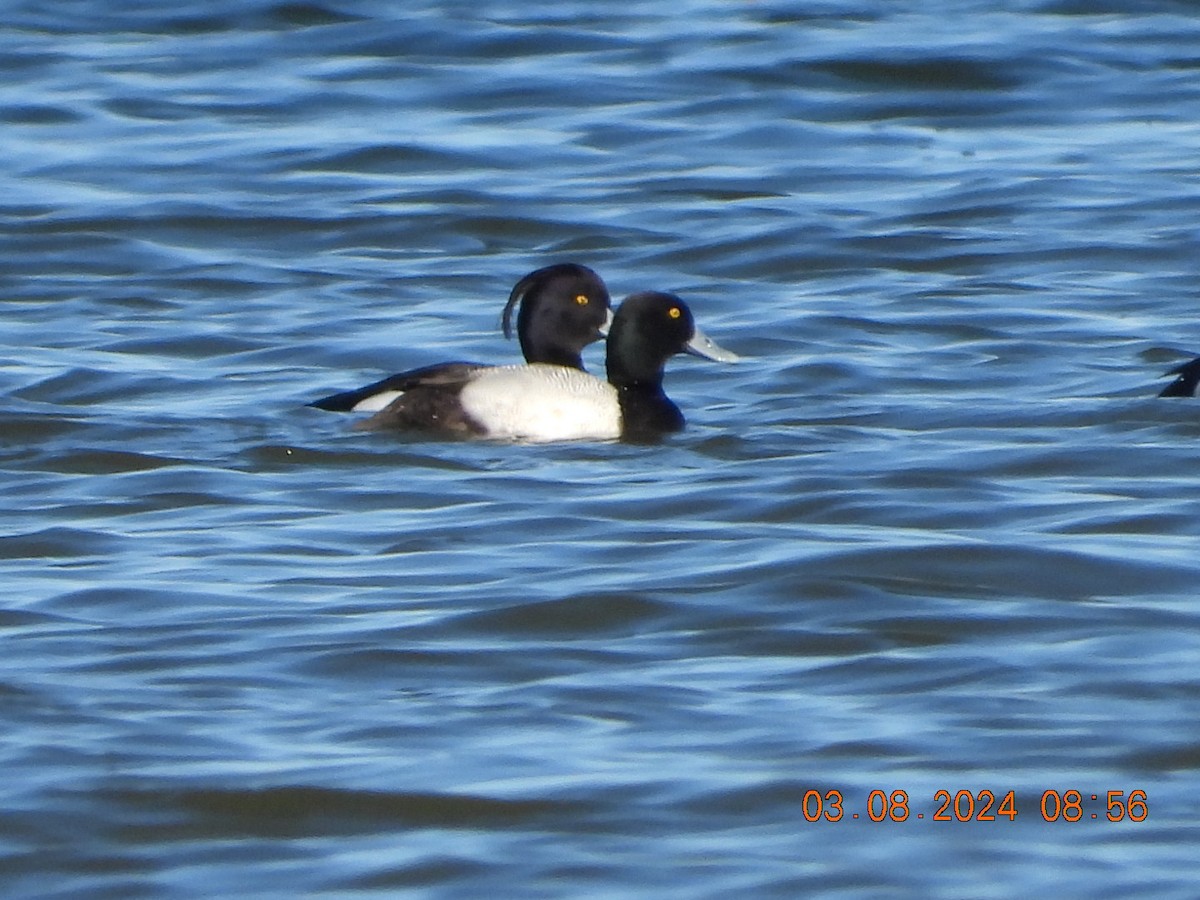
(704, 346)
(607, 326)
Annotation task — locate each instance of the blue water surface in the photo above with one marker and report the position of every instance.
(936, 533)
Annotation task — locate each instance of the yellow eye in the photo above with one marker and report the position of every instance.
(674, 312)
(581, 299)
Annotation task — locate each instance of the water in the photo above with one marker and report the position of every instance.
(936, 534)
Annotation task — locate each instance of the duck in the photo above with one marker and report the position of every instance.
(539, 402)
(561, 308)
(1184, 385)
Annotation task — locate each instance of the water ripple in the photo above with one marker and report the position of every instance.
(935, 532)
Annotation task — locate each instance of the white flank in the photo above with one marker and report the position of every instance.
(376, 402)
(539, 402)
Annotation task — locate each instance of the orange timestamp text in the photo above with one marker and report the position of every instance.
(1069, 805)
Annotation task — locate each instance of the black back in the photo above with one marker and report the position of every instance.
(561, 309)
(440, 373)
(1185, 384)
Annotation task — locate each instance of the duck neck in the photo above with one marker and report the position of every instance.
(551, 355)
